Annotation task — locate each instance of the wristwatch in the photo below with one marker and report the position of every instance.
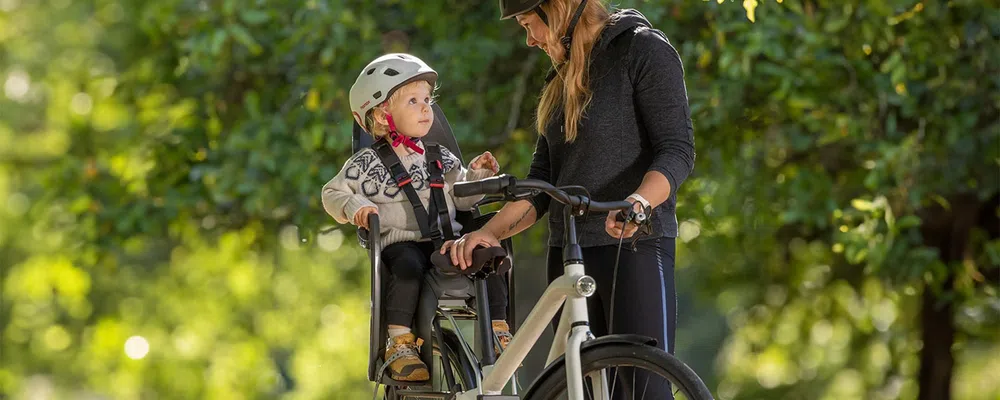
(641, 200)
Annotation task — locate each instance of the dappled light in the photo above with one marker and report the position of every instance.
(136, 347)
(161, 165)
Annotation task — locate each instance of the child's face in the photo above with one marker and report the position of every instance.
(411, 109)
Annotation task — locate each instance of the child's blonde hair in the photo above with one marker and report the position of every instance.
(372, 124)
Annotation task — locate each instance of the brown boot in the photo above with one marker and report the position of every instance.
(502, 331)
(404, 362)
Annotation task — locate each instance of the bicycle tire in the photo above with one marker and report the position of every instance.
(653, 359)
(461, 366)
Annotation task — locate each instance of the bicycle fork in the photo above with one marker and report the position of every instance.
(574, 325)
(570, 292)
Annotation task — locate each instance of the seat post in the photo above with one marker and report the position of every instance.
(485, 323)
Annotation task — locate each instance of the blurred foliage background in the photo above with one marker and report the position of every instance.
(161, 234)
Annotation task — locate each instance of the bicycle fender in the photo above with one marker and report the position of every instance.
(593, 343)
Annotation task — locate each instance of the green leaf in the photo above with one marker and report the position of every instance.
(862, 204)
(254, 17)
(898, 74)
(252, 104)
(993, 251)
(890, 124)
(243, 36)
(890, 218)
(218, 39)
(908, 221)
(891, 63)
(228, 6)
(270, 164)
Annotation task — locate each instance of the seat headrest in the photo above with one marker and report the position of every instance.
(439, 133)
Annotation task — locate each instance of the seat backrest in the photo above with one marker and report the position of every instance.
(440, 133)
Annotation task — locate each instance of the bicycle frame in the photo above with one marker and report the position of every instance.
(571, 288)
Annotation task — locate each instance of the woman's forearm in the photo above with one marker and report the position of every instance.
(655, 188)
(512, 219)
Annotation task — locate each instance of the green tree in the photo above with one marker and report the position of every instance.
(846, 195)
(160, 166)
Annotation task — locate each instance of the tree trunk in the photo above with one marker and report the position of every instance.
(936, 360)
(947, 230)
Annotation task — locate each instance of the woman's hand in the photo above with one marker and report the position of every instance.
(485, 161)
(615, 227)
(461, 249)
(361, 217)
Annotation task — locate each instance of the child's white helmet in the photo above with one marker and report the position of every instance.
(383, 76)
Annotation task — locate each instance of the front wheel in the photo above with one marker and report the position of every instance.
(632, 371)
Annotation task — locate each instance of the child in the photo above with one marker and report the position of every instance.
(391, 99)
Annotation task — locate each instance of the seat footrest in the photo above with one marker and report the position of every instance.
(406, 394)
(392, 382)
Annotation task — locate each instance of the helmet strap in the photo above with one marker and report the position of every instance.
(398, 139)
(568, 38)
(541, 15)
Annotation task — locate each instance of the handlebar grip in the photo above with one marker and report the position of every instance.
(466, 189)
(638, 219)
(492, 185)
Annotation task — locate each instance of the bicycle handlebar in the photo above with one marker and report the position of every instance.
(506, 185)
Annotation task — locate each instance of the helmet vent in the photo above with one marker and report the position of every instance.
(391, 72)
(370, 71)
(377, 95)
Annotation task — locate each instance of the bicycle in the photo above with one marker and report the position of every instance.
(580, 355)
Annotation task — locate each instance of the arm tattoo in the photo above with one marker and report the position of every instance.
(516, 223)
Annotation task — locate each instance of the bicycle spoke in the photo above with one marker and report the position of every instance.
(614, 381)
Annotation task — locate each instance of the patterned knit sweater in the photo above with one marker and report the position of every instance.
(365, 181)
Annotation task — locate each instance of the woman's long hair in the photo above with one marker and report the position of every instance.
(571, 87)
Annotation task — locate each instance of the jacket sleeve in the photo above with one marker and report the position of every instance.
(662, 103)
(541, 169)
(340, 195)
(459, 173)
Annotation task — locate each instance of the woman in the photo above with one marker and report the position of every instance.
(613, 118)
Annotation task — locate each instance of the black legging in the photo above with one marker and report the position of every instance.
(407, 262)
(645, 300)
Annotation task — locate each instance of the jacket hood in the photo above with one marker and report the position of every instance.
(621, 21)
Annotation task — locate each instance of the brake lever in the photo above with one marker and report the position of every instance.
(509, 194)
(641, 219)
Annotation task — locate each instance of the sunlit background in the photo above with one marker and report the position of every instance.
(161, 162)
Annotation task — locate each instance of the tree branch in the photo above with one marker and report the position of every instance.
(520, 89)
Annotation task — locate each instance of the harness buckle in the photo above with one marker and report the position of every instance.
(436, 235)
(403, 179)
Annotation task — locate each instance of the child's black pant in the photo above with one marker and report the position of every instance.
(407, 262)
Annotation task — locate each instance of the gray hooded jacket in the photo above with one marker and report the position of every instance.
(638, 121)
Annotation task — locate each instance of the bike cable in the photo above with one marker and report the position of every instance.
(614, 275)
(614, 283)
